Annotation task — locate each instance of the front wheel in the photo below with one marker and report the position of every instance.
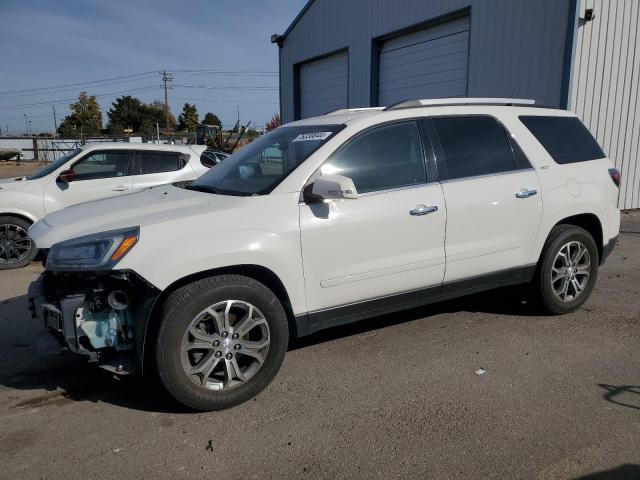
(16, 248)
(221, 341)
(567, 271)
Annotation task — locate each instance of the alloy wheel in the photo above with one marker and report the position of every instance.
(225, 345)
(15, 244)
(570, 271)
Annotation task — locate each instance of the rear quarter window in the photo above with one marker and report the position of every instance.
(566, 139)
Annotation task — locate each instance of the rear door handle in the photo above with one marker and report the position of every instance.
(526, 193)
(120, 188)
(421, 209)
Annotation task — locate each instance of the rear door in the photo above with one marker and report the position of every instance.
(99, 174)
(493, 197)
(158, 167)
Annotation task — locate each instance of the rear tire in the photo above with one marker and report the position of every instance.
(567, 270)
(207, 351)
(16, 248)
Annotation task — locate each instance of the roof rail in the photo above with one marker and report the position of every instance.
(439, 102)
(354, 110)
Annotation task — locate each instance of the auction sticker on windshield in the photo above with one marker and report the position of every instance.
(312, 136)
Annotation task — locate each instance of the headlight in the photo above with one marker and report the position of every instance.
(98, 251)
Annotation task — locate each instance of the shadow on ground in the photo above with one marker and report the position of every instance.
(623, 472)
(64, 377)
(623, 395)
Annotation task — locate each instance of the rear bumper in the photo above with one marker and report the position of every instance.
(608, 248)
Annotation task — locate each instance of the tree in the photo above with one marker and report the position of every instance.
(125, 112)
(85, 117)
(153, 113)
(188, 119)
(129, 112)
(212, 119)
(273, 123)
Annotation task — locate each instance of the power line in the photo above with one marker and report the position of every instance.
(225, 72)
(66, 100)
(225, 100)
(65, 89)
(79, 84)
(227, 87)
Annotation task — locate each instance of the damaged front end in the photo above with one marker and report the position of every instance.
(98, 314)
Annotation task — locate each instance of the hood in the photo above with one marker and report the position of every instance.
(13, 183)
(153, 205)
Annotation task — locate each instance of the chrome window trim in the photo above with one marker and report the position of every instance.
(485, 175)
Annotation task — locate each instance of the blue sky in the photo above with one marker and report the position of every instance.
(55, 43)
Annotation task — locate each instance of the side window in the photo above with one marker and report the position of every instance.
(209, 159)
(385, 157)
(565, 138)
(159, 162)
(103, 165)
(474, 145)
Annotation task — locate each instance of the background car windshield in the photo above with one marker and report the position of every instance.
(260, 166)
(53, 166)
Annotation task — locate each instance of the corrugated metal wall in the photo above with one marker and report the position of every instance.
(512, 51)
(606, 79)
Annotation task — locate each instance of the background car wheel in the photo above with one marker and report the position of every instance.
(16, 248)
(220, 342)
(567, 271)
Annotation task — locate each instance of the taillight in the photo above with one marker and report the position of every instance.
(614, 173)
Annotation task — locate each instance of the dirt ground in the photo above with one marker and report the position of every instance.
(12, 169)
(397, 396)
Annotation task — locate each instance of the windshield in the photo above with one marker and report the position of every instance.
(53, 166)
(260, 166)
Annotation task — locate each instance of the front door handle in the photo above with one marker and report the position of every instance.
(120, 188)
(423, 210)
(526, 193)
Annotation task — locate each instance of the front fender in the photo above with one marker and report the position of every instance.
(165, 259)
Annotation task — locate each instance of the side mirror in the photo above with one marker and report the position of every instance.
(331, 187)
(67, 176)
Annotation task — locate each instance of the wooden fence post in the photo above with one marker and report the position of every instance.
(35, 149)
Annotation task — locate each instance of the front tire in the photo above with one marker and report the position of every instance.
(221, 341)
(16, 247)
(567, 270)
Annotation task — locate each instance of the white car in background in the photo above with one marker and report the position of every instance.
(92, 172)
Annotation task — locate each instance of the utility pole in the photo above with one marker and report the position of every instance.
(26, 123)
(55, 122)
(166, 77)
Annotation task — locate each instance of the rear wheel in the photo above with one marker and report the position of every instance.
(221, 341)
(16, 248)
(568, 269)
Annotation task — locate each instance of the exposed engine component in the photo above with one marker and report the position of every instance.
(118, 300)
(106, 324)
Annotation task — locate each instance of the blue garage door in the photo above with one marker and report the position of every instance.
(429, 63)
(324, 85)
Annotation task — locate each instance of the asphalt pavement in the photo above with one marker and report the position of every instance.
(478, 387)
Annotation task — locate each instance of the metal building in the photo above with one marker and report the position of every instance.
(576, 54)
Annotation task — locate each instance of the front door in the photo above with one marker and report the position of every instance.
(390, 239)
(99, 174)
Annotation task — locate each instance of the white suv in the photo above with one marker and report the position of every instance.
(323, 222)
(94, 171)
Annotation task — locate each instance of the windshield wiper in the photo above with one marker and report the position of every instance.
(204, 188)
